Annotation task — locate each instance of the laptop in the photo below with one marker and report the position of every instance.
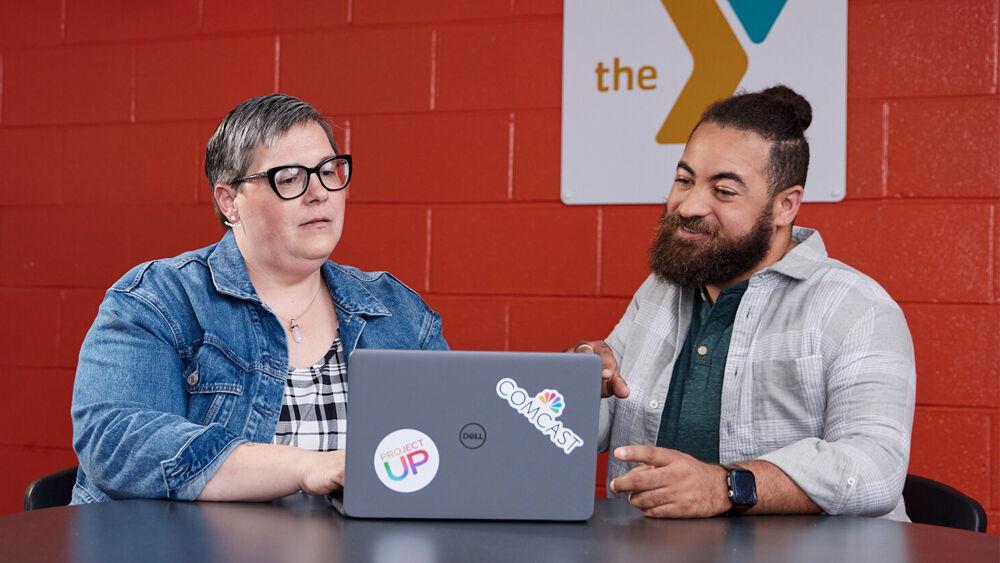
(471, 435)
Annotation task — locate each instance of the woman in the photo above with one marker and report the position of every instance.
(220, 374)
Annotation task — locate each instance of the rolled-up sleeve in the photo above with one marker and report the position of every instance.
(859, 464)
(129, 401)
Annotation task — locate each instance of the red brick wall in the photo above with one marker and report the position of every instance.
(451, 109)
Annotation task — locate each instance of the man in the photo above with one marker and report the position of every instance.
(762, 375)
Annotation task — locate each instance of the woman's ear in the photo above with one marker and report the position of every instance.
(225, 197)
(786, 206)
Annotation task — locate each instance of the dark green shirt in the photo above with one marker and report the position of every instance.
(690, 421)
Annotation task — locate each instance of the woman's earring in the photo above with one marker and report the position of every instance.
(235, 222)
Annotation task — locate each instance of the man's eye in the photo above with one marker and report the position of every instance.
(725, 193)
(682, 181)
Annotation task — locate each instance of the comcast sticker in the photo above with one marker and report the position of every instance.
(406, 460)
(542, 411)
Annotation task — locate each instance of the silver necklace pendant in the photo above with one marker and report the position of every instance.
(296, 333)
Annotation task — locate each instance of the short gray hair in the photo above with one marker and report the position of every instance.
(254, 122)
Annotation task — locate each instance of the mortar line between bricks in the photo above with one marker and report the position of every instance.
(922, 98)
(506, 326)
(202, 35)
(600, 255)
(133, 80)
(277, 62)
(47, 367)
(62, 21)
(433, 94)
(958, 408)
(474, 295)
(343, 114)
(511, 131)
(890, 201)
(884, 172)
(609, 296)
(1, 87)
(36, 447)
(427, 250)
(996, 47)
(507, 296)
(991, 263)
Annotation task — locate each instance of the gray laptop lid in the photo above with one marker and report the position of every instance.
(479, 435)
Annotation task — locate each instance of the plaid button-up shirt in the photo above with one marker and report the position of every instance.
(819, 380)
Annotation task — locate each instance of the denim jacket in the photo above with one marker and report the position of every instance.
(184, 363)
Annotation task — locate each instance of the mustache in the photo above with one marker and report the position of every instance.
(672, 221)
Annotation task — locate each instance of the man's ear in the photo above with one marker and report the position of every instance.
(225, 197)
(786, 206)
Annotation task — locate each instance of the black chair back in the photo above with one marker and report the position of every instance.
(930, 502)
(51, 490)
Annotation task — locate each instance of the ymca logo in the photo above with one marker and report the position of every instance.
(638, 74)
(406, 460)
(719, 60)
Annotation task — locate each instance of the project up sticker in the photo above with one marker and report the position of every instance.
(406, 460)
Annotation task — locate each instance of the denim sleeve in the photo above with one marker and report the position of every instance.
(858, 466)
(432, 334)
(129, 404)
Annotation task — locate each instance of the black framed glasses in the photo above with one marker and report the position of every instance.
(291, 181)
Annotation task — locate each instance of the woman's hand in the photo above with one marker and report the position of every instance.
(322, 473)
(261, 472)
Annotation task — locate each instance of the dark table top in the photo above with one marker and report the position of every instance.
(300, 528)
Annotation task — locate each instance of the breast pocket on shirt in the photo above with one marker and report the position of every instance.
(214, 382)
(789, 400)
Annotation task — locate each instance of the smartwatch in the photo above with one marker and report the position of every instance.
(742, 489)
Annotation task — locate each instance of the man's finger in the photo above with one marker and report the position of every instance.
(640, 467)
(605, 352)
(646, 500)
(650, 455)
(636, 481)
(618, 387)
(667, 510)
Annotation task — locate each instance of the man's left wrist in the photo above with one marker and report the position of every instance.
(723, 504)
(741, 489)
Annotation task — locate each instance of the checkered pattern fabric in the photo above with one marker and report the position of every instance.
(314, 410)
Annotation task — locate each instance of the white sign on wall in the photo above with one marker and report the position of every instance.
(638, 73)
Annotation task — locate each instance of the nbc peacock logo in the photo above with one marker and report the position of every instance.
(552, 400)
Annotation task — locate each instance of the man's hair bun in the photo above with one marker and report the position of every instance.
(799, 106)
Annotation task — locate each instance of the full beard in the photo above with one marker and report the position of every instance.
(708, 261)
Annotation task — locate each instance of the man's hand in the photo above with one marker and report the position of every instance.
(612, 382)
(671, 484)
(323, 472)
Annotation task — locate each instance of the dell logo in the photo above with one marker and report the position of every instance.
(472, 436)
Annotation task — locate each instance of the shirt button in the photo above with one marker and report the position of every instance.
(702, 350)
(851, 481)
(653, 404)
(193, 378)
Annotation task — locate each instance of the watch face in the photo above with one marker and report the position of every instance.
(744, 487)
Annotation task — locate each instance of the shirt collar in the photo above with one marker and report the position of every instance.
(807, 256)
(230, 277)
